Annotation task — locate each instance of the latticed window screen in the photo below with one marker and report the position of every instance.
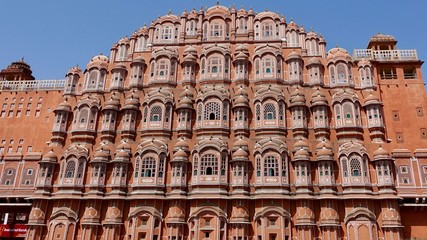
(162, 68)
(209, 165)
(223, 165)
(199, 112)
(212, 111)
(344, 167)
(80, 169)
(148, 168)
(137, 162)
(281, 113)
(258, 166)
(365, 168)
(167, 113)
(355, 167)
(269, 111)
(284, 167)
(271, 166)
(70, 169)
(156, 114)
(258, 112)
(145, 113)
(268, 65)
(195, 165)
(225, 111)
(161, 165)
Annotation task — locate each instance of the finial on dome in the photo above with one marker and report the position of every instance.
(217, 3)
(170, 12)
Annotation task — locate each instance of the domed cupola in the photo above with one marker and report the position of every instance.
(99, 61)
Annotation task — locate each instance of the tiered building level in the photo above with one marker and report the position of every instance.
(219, 124)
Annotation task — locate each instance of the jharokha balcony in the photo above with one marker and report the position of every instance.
(385, 55)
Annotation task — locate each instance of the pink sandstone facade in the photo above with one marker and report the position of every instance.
(218, 124)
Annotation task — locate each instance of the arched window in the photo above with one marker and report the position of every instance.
(212, 111)
(121, 53)
(271, 166)
(148, 167)
(156, 114)
(209, 165)
(216, 30)
(269, 111)
(162, 69)
(342, 73)
(166, 33)
(70, 169)
(141, 43)
(355, 167)
(215, 65)
(268, 66)
(93, 77)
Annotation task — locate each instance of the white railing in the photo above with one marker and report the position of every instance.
(385, 55)
(32, 85)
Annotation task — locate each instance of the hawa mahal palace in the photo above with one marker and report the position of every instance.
(219, 123)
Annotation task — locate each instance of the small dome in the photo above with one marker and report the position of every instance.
(318, 99)
(119, 66)
(372, 100)
(190, 50)
(64, 106)
(293, 55)
(142, 31)
(138, 60)
(103, 147)
(314, 61)
(292, 25)
(240, 143)
(185, 103)
(184, 14)
(301, 154)
(242, 12)
(297, 98)
(241, 91)
(251, 12)
(311, 34)
(132, 101)
(323, 144)
(187, 93)
(113, 104)
(101, 154)
(124, 40)
(182, 144)
(123, 146)
(338, 54)
(122, 154)
(241, 56)
(50, 157)
(180, 154)
(380, 154)
(74, 70)
(189, 58)
(241, 101)
(99, 61)
(241, 48)
(240, 153)
(300, 144)
(324, 152)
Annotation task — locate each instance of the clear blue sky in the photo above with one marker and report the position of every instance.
(55, 35)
